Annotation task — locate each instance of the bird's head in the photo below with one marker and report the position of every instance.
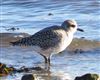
(71, 25)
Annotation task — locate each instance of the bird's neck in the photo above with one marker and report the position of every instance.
(69, 32)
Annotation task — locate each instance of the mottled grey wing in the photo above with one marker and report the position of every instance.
(45, 38)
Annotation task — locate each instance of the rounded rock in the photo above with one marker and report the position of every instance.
(88, 76)
(28, 77)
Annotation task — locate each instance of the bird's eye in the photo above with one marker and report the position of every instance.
(73, 26)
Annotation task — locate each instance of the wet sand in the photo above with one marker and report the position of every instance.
(77, 43)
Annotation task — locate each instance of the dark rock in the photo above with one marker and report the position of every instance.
(88, 76)
(28, 77)
(78, 51)
(17, 28)
(49, 14)
(82, 37)
(12, 29)
(37, 68)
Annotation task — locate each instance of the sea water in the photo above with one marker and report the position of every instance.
(31, 16)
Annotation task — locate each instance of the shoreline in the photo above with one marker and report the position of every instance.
(77, 43)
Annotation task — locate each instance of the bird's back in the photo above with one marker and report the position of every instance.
(45, 38)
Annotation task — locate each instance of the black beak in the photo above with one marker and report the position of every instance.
(78, 29)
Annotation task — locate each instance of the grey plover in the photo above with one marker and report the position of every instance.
(50, 40)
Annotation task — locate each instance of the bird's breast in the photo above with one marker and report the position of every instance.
(65, 41)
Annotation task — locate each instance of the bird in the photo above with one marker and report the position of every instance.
(50, 40)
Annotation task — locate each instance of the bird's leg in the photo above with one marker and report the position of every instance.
(49, 61)
(46, 60)
(48, 64)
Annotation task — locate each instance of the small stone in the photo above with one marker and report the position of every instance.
(82, 37)
(78, 51)
(17, 28)
(49, 14)
(28, 77)
(88, 76)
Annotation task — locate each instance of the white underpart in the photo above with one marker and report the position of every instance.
(65, 41)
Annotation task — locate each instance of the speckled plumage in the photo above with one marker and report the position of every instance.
(50, 40)
(45, 38)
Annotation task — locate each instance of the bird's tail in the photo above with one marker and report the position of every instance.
(23, 42)
(15, 43)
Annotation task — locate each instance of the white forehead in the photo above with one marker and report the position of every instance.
(72, 22)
